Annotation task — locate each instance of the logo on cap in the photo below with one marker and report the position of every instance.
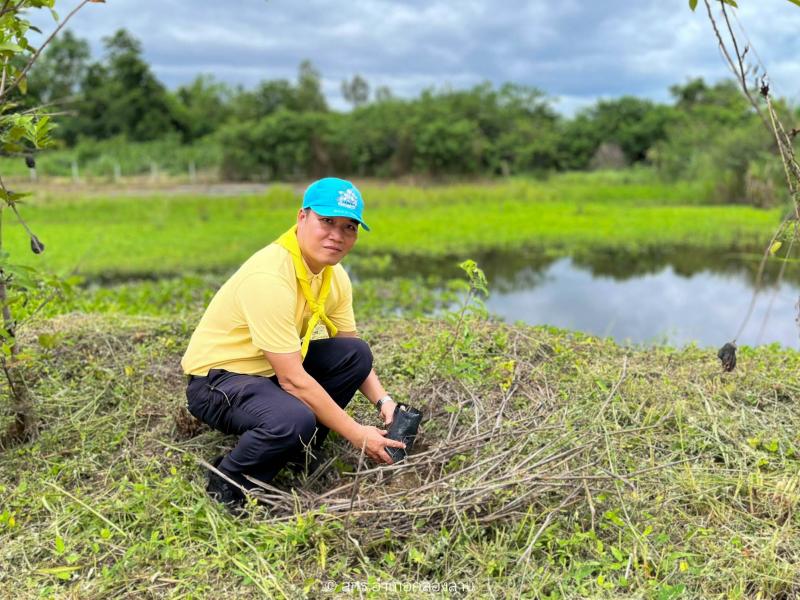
(347, 199)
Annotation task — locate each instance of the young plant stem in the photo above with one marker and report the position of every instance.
(21, 402)
(3, 78)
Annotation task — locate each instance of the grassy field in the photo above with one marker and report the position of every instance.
(550, 463)
(561, 466)
(119, 237)
(108, 160)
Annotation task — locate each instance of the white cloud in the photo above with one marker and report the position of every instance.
(576, 50)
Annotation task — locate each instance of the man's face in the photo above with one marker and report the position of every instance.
(324, 240)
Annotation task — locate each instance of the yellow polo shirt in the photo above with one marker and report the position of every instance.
(261, 307)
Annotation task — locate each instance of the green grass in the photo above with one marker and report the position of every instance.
(184, 296)
(690, 482)
(655, 475)
(97, 160)
(173, 235)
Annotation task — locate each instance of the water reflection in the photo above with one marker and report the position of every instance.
(662, 307)
(525, 268)
(674, 296)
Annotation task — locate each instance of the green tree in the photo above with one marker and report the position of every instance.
(280, 94)
(284, 145)
(200, 107)
(721, 103)
(356, 91)
(512, 125)
(447, 145)
(123, 97)
(525, 131)
(265, 99)
(56, 79)
(309, 89)
(376, 139)
(633, 123)
(383, 93)
(57, 75)
(716, 136)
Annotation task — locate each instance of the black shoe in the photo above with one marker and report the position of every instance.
(222, 491)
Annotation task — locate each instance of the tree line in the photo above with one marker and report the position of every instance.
(285, 129)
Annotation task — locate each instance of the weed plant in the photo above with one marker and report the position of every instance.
(187, 297)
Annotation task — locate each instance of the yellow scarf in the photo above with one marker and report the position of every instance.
(317, 305)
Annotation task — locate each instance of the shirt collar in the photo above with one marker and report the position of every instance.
(309, 271)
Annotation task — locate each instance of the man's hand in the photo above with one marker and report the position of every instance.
(374, 442)
(387, 411)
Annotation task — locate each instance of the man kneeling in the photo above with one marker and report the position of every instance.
(253, 369)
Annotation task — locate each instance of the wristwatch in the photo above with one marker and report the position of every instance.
(380, 402)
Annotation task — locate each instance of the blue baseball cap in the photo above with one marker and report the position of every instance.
(334, 197)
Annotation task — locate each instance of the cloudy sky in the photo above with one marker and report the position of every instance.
(577, 51)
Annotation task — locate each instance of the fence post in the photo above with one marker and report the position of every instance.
(117, 172)
(76, 176)
(153, 171)
(192, 172)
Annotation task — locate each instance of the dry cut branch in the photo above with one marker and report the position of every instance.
(736, 56)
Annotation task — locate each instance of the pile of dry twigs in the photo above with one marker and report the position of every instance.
(486, 453)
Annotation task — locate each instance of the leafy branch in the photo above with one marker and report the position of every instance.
(22, 131)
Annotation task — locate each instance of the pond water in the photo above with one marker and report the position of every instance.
(670, 297)
(660, 307)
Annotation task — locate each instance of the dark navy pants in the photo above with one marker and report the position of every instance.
(273, 426)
